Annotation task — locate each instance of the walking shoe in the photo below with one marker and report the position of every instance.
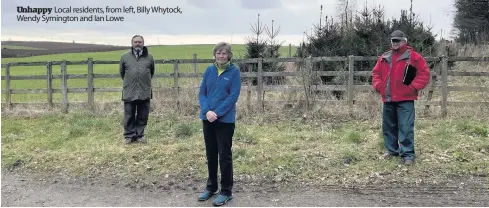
(221, 200)
(407, 161)
(386, 156)
(206, 195)
(141, 140)
(127, 140)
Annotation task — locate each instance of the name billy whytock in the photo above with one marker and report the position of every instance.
(30, 14)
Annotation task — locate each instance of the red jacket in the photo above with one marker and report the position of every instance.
(387, 79)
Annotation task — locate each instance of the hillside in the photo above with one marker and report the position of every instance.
(12, 49)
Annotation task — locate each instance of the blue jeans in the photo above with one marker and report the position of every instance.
(398, 128)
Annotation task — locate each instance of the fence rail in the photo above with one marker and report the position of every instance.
(350, 88)
(249, 61)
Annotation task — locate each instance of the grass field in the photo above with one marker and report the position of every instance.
(20, 47)
(159, 52)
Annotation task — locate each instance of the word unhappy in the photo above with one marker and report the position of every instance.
(29, 9)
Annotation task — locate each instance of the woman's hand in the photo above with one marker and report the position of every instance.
(211, 116)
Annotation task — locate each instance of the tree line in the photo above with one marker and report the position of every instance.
(366, 33)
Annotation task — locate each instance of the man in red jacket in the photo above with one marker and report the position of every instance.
(398, 76)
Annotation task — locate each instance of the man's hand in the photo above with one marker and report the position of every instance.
(211, 116)
(376, 90)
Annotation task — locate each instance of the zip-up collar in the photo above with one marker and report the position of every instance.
(225, 66)
(226, 69)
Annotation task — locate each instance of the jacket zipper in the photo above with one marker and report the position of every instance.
(387, 87)
(215, 82)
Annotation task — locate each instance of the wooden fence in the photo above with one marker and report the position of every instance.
(260, 88)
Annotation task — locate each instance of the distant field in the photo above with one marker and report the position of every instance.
(21, 47)
(11, 49)
(159, 52)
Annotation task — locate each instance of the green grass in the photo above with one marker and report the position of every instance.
(159, 52)
(203, 51)
(83, 144)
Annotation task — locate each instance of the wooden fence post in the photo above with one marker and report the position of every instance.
(90, 87)
(432, 85)
(444, 86)
(49, 78)
(64, 86)
(195, 63)
(8, 99)
(260, 85)
(250, 80)
(290, 50)
(307, 76)
(351, 70)
(175, 84)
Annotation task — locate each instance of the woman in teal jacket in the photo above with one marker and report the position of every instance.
(218, 94)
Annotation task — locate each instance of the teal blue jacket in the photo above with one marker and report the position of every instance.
(220, 93)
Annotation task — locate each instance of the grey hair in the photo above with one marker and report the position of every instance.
(224, 46)
(137, 36)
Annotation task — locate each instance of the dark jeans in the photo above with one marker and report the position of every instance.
(398, 128)
(218, 141)
(135, 118)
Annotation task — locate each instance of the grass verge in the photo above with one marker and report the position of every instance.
(84, 144)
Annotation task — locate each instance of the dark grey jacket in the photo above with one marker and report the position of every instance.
(136, 74)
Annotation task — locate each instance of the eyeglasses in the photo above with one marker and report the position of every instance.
(395, 40)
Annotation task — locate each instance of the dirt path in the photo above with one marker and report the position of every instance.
(22, 190)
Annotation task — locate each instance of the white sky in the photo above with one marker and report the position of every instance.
(204, 21)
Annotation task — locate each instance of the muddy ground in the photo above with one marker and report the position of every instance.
(22, 189)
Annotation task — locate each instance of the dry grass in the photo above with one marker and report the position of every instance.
(331, 150)
(482, 82)
(325, 146)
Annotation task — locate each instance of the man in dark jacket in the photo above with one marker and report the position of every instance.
(136, 68)
(399, 89)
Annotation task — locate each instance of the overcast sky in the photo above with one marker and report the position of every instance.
(202, 21)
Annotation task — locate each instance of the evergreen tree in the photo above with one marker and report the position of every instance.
(364, 34)
(471, 21)
(263, 47)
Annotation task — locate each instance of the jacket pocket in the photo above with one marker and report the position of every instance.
(382, 88)
(407, 91)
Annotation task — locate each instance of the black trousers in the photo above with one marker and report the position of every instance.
(136, 115)
(218, 142)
